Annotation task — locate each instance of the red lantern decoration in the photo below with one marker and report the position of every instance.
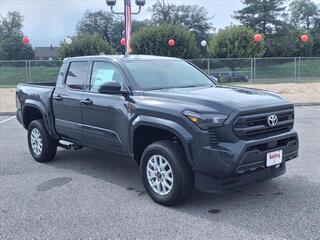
(304, 38)
(123, 41)
(25, 40)
(171, 42)
(257, 37)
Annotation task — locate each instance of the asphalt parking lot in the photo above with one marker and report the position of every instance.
(91, 195)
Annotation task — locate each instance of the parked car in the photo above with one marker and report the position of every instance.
(168, 116)
(230, 77)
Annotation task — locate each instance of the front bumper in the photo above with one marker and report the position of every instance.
(228, 165)
(208, 184)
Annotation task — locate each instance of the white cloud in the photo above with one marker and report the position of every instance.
(50, 21)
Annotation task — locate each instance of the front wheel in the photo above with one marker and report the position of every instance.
(41, 145)
(166, 174)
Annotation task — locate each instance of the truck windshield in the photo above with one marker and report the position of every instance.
(166, 74)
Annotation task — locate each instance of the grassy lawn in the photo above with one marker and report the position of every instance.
(12, 75)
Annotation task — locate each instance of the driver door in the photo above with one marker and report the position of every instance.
(105, 116)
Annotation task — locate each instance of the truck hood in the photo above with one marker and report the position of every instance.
(221, 99)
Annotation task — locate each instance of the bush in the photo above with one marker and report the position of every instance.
(235, 42)
(85, 44)
(153, 40)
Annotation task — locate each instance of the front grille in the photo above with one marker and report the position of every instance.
(256, 125)
(213, 138)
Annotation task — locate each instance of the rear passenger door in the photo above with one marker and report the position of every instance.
(66, 101)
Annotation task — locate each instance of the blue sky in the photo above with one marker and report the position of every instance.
(50, 21)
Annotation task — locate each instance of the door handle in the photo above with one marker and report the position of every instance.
(57, 97)
(86, 101)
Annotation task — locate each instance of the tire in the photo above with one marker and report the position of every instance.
(49, 145)
(182, 175)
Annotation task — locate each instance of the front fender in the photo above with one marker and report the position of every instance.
(184, 136)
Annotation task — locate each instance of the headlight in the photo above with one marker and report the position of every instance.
(206, 120)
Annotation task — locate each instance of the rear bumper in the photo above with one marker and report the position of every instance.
(19, 116)
(229, 165)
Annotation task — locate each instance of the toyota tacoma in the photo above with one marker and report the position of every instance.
(183, 129)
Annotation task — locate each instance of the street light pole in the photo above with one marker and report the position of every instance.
(127, 19)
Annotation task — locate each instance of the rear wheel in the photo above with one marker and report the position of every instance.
(41, 145)
(166, 175)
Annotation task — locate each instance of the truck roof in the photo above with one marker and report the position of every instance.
(121, 57)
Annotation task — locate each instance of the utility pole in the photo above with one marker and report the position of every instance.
(127, 19)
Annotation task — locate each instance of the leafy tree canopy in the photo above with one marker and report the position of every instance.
(191, 17)
(303, 14)
(85, 44)
(108, 26)
(264, 16)
(153, 40)
(11, 47)
(235, 42)
(11, 25)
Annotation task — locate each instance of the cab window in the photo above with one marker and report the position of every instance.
(76, 76)
(103, 72)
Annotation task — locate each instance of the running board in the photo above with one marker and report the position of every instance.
(70, 146)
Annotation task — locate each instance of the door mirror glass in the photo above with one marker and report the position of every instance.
(111, 87)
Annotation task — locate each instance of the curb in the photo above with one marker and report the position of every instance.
(7, 113)
(306, 104)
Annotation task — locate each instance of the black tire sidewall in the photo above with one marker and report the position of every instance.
(46, 153)
(170, 156)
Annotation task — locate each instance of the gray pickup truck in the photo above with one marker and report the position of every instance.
(174, 121)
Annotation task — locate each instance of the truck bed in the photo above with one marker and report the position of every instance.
(40, 93)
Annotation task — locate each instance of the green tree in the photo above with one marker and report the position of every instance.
(235, 42)
(191, 17)
(108, 26)
(85, 44)
(264, 16)
(154, 40)
(11, 25)
(315, 32)
(286, 43)
(100, 22)
(11, 47)
(303, 14)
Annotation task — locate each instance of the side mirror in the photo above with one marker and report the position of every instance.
(112, 87)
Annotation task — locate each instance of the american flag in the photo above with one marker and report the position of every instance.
(128, 24)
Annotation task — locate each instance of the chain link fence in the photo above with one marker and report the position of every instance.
(262, 70)
(14, 72)
(227, 71)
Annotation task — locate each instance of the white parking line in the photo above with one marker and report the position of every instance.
(8, 119)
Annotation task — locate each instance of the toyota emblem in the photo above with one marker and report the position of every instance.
(272, 120)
